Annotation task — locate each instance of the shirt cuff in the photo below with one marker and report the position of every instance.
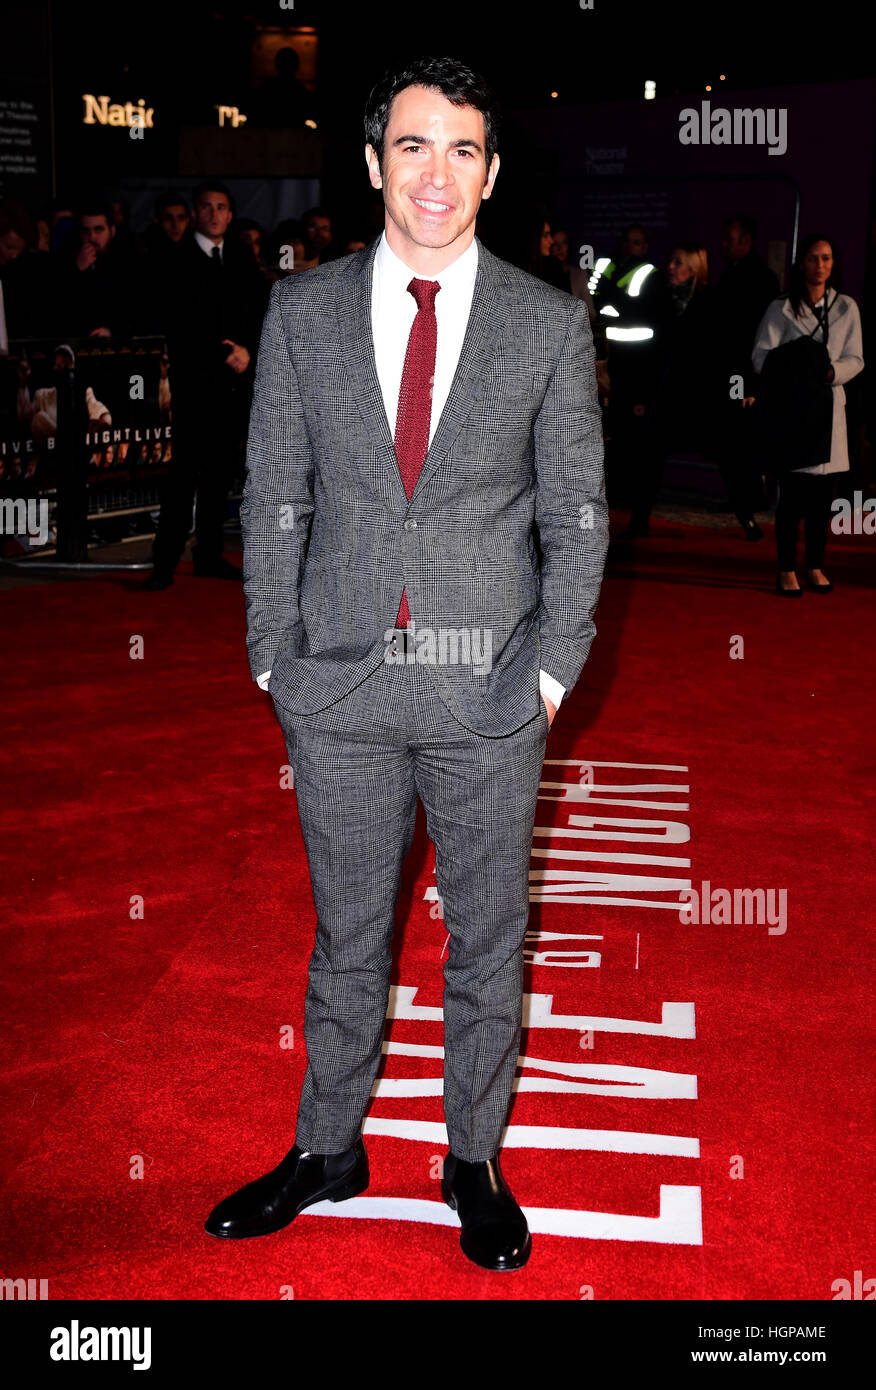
(550, 686)
(547, 685)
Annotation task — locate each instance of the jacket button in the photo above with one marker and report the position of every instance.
(410, 524)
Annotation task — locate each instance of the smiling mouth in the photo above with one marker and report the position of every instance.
(428, 206)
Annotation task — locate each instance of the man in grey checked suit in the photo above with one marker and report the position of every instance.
(420, 408)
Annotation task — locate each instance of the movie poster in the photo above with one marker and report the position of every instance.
(103, 410)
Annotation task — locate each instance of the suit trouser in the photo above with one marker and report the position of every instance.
(205, 455)
(359, 766)
(733, 447)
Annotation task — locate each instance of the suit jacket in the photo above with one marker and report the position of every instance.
(104, 295)
(741, 296)
(507, 527)
(197, 305)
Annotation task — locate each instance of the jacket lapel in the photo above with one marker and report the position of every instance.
(488, 322)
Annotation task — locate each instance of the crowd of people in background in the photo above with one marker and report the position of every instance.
(680, 361)
(83, 271)
(682, 369)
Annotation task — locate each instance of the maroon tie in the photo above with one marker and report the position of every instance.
(415, 399)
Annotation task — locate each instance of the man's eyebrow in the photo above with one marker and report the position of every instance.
(424, 140)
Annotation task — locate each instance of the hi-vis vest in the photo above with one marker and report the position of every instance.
(629, 284)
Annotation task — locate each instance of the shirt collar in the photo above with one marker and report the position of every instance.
(394, 273)
(206, 244)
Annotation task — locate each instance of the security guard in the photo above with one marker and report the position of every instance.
(632, 301)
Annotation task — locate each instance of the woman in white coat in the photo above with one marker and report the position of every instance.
(806, 493)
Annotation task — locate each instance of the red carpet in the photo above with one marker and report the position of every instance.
(712, 1142)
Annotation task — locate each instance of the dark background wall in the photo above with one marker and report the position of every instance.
(622, 161)
(184, 59)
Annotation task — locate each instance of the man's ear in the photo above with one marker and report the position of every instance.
(373, 166)
(491, 176)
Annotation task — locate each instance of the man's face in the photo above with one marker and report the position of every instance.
(434, 167)
(319, 232)
(11, 246)
(735, 242)
(174, 221)
(635, 243)
(212, 214)
(95, 231)
(252, 238)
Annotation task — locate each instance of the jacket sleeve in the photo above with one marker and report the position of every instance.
(768, 335)
(570, 505)
(851, 359)
(277, 503)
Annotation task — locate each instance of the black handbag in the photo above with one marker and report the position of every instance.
(792, 415)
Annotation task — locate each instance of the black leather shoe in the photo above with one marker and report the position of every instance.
(494, 1234)
(818, 588)
(752, 530)
(787, 593)
(158, 581)
(217, 569)
(302, 1178)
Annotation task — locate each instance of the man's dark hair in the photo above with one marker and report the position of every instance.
(452, 79)
(315, 212)
(287, 61)
(214, 186)
(170, 199)
(746, 225)
(95, 206)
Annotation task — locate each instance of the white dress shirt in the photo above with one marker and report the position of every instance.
(393, 310)
(207, 245)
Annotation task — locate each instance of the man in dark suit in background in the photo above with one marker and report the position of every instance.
(745, 288)
(170, 229)
(210, 302)
(99, 279)
(420, 407)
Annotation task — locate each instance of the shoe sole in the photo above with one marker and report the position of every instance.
(351, 1189)
(496, 1269)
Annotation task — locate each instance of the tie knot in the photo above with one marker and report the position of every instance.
(424, 292)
